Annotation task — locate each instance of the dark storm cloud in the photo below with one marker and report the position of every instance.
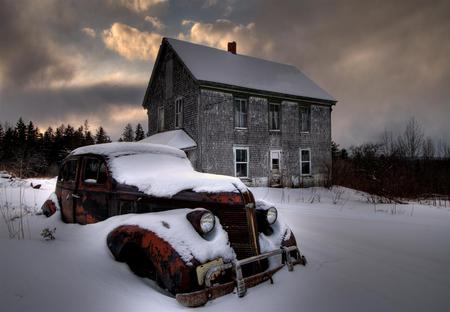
(25, 54)
(48, 104)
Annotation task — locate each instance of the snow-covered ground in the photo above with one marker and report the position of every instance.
(362, 257)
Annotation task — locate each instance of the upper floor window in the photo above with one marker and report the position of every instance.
(179, 112)
(240, 113)
(305, 161)
(305, 118)
(274, 116)
(241, 162)
(161, 118)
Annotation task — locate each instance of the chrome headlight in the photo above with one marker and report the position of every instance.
(207, 222)
(271, 215)
(202, 220)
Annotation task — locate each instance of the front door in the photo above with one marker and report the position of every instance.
(67, 181)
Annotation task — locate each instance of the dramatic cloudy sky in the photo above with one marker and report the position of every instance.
(385, 61)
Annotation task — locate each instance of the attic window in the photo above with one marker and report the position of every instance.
(240, 113)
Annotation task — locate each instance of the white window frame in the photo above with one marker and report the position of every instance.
(279, 158)
(179, 113)
(308, 120)
(236, 126)
(160, 118)
(279, 117)
(235, 148)
(301, 162)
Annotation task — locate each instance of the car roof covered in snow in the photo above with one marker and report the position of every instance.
(158, 170)
(219, 66)
(116, 149)
(175, 138)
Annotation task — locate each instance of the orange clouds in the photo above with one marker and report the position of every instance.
(131, 43)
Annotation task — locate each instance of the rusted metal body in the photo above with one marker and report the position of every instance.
(85, 198)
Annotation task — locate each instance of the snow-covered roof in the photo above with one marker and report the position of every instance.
(175, 138)
(159, 170)
(219, 66)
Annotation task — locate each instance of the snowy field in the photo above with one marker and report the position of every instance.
(362, 257)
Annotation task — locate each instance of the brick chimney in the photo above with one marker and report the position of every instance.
(232, 47)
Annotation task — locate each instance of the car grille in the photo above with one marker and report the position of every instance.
(240, 223)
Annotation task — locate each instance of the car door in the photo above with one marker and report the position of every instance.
(94, 191)
(67, 181)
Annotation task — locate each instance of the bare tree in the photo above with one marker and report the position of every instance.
(387, 144)
(410, 143)
(428, 150)
(443, 149)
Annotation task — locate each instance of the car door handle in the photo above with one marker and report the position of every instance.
(75, 196)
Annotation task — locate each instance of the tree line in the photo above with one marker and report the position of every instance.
(409, 165)
(26, 151)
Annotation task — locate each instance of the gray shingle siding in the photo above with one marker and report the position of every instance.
(208, 117)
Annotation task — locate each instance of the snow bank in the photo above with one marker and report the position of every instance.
(173, 227)
(159, 170)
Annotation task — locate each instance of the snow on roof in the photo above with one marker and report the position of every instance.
(159, 170)
(214, 65)
(175, 138)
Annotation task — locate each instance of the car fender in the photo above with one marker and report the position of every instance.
(175, 274)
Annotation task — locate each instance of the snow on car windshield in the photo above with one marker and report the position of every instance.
(159, 170)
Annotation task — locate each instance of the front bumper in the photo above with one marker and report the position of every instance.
(199, 298)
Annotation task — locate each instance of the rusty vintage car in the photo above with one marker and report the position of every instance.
(101, 181)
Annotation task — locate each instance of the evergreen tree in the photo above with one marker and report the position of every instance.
(32, 136)
(79, 137)
(9, 142)
(59, 144)
(69, 138)
(127, 134)
(2, 135)
(101, 136)
(88, 138)
(139, 133)
(21, 132)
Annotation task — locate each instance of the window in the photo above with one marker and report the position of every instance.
(305, 161)
(94, 171)
(241, 162)
(305, 118)
(69, 171)
(274, 116)
(240, 113)
(179, 112)
(161, 118)
(275, 157)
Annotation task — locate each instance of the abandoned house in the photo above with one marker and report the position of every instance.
(264, 122)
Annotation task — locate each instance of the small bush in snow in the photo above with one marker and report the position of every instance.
(48, 234)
